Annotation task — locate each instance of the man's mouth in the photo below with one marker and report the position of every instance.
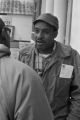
(40, 42)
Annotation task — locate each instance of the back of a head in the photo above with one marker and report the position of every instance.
(4, 36)
(49, 19)
(2, 24)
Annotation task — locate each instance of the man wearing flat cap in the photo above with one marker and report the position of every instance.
(58, 65)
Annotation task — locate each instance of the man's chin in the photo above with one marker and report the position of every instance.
(40, 46)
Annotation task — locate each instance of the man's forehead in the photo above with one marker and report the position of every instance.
(42, 25)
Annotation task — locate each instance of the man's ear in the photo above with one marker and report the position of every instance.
(55, 33)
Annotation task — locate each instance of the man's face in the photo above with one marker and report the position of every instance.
(44, 36)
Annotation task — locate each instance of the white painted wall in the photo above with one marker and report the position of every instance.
(49, 6)
(75, 27)
(60, 10)
(23, 27)
(43, 8)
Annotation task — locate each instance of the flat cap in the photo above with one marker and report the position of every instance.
(48, 18)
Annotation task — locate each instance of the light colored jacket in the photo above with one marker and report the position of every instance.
(22, 96)
(61, 80)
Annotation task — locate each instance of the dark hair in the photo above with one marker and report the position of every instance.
(5, 37)
(4, 34)
(2, 24)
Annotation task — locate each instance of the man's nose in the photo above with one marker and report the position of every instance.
(40, 34)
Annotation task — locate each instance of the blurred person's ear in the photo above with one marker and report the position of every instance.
(7, 29)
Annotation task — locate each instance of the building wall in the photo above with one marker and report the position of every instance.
(23, 27)
(60, 10)
(75, 26)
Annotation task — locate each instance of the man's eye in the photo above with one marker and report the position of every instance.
(36, 31)
(46, 31)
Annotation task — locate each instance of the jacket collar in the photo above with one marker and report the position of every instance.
(62, 50)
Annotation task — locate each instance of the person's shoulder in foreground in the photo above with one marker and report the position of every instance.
(22, 96)
(21, 93)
